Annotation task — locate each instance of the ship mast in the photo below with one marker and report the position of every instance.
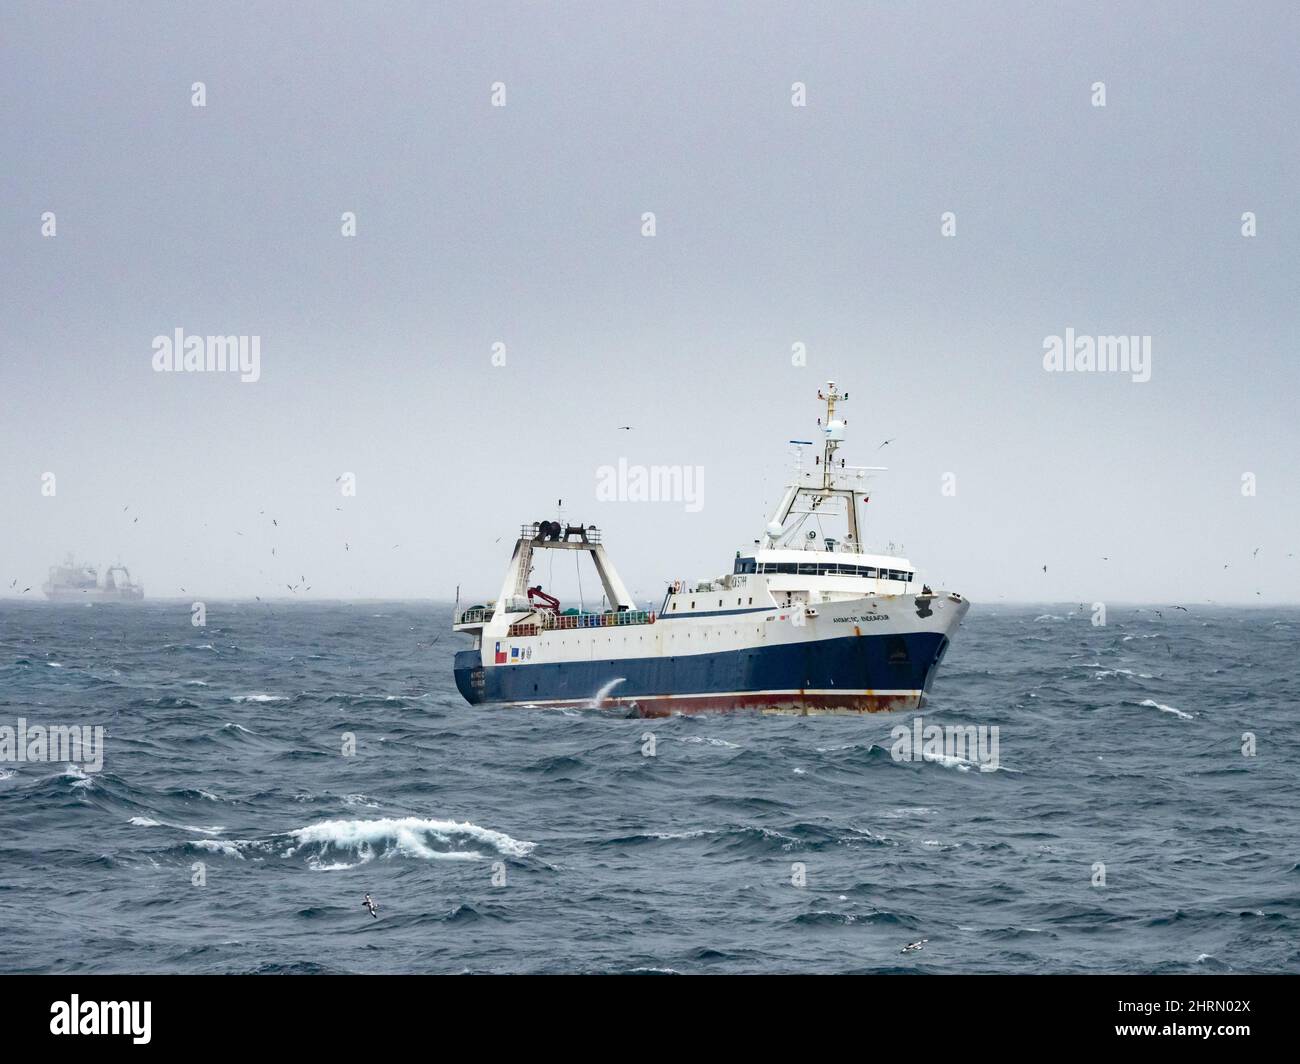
(834, 433)
(816, 486)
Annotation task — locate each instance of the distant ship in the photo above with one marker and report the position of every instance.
(73, 581)
(807, 622)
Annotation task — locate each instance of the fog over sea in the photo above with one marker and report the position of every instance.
(227, 831)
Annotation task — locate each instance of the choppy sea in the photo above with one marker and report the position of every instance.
(1128, 825)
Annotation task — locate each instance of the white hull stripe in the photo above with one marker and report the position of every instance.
(793, 693)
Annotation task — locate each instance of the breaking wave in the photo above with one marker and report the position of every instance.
(331, 845)
(1151, 703)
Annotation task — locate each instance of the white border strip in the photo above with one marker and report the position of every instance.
(706, 694)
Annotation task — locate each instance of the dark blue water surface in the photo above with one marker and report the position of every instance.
(1119, 745)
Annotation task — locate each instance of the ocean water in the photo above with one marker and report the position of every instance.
(228, 832)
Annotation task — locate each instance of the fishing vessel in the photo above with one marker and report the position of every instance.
(806, 622)
(74, 581)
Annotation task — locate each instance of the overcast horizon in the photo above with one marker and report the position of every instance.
(912, 201)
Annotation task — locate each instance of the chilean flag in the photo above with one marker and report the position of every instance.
(501, 655)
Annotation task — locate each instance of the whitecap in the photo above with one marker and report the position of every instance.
(697, 739)
(906, 810)
(149, 822)
(678, 834)
(962, 764)
(948, 761)
(408, 836)
(229, 849)
(1152, 704)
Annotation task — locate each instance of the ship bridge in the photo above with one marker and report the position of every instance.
(806, 562)
(811, 550)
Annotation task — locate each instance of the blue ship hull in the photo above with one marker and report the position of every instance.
(850, 674)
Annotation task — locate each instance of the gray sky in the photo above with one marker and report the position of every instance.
(775, 224)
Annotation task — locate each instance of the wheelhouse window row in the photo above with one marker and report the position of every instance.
(749, 565)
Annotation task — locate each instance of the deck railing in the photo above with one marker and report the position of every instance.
(545, 620)
(591, 533)
(563, 622)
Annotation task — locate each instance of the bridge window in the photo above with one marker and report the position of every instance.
(824, 569)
